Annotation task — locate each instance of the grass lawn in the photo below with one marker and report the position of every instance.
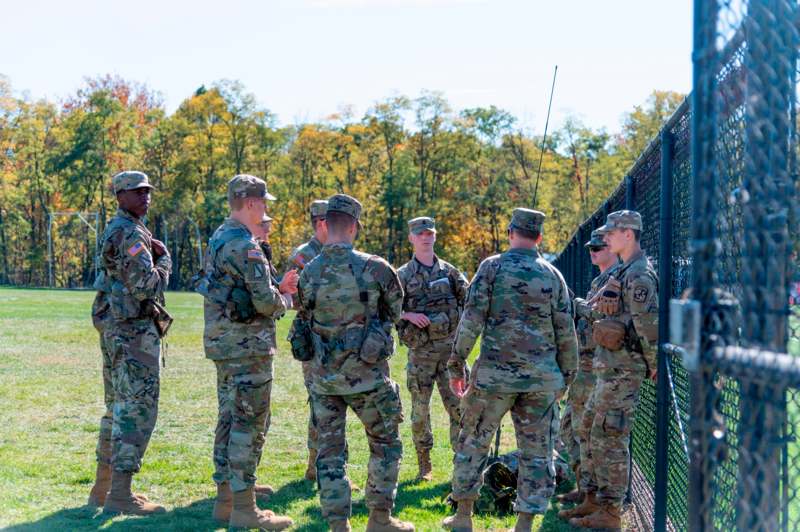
(51, 397)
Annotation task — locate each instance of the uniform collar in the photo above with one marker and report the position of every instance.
(437, 264)
(122, 213)
(636, 256)
(339, 247)
(522, 251)
(236, 224)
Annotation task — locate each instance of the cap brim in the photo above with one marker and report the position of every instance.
(420, 231)
(151, 187)
(270, 197)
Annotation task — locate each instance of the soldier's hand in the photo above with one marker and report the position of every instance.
(608, 298)
(417, 318)
(458, 387)
(288, 284)
(159, 249)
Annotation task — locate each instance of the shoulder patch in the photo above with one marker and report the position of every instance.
(254, 254)
(640, 294)
(135, 249)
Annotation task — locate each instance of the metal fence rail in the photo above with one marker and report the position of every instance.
(716, 190)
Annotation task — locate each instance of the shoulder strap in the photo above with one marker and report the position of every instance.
(491, 277)
(363, 293)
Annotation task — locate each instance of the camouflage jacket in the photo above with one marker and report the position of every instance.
(439, 293)
(234, 260)
(303, 254)
(329, 300)
(520, 303)
(639, 313)
(584, 314)
(133, 279)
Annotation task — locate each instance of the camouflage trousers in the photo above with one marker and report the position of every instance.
(535, 417)
(424, 371)
(605, 435)
(579, 392)
(103, 450)
(244, 386)
(381, 413)
(313, 433)
(135, 351)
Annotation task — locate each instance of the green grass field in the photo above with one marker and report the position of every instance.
(51, 397)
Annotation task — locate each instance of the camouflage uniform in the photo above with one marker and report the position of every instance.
(240, 309)
(351, 301)
(582, 386)
(520, 304)
(438, 292)
(101, 318)
(137, 283)
(300, 256)
(609, 415)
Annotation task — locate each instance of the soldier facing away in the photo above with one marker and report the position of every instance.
(582, 386)
(136, 268)
(627, 338)
(434, 294)
(528, 355)
(240, 309)
(302, 255)
(348, 304)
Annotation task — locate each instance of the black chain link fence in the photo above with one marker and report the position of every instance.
(714, 443)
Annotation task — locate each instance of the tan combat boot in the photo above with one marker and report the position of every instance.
(224, 502)
(382, 521)
(120, 500)
(102, 483)
(245, 514)
(340, 525)
(574, 496)
(608, 517)
(425, 468)
(524, 522)
(263, 491)
(462, 520)
(588, 506)
(311, 468)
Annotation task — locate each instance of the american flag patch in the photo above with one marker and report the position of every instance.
(254, 254)
(135, 249)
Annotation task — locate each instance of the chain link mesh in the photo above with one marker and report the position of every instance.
(732, 453)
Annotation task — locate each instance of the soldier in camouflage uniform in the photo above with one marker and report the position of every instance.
(582, 387)
(627, 338)
(302, 255)
(101, 317)
(348, 304)
(241, 306)
(136, 269)
(529, 353)
(434, 298)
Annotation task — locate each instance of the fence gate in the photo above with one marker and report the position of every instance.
(737, 328)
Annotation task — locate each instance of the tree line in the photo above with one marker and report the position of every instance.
(405, 157)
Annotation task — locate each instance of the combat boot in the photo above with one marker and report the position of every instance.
(382, 521)
(425, 468)
(588, 506)
(607, 518)
(102, 483)
(245, 513)
(224, 502)
(311, 468)
(263, 491)
(524, 522)
(120, 500)
(462, 520)
(340, 525)
(574, 496)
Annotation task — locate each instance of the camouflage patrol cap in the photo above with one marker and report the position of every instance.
(318, 208)
(623, 220)
(248, 186)
(421, 224)
(596, 240)
(527, 220)
(130, 180)
(345, 204)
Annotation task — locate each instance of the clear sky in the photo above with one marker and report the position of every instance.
(304, 59)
